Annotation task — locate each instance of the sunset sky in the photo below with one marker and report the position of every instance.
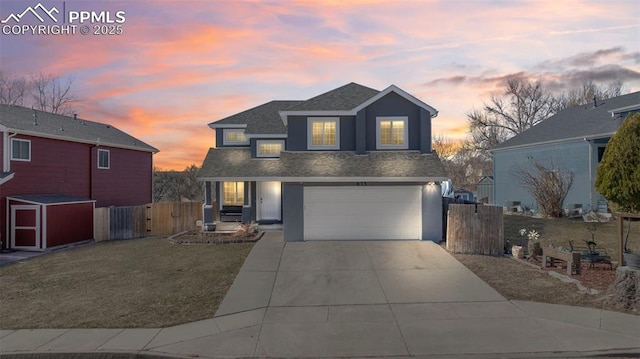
(179, 65)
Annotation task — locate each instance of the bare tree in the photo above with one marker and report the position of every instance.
(464, 164)
(548, 185)
(12, 89)
(587, 92)
(52, 93)
(177, 186)
(522, 106)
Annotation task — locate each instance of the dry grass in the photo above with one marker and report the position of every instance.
(518, 281)
(119, 284)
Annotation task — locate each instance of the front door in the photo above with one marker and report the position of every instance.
(25, 227)
(269, 201)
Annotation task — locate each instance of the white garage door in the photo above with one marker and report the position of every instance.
(362, 213)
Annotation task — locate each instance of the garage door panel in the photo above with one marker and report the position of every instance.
(361, 213)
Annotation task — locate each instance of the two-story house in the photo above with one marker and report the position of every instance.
(353, 163)
(56, 168)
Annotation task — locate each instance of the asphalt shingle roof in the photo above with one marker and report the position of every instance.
(237, 163)
(263, 119)
(576, 122)
(343, 98)
(39, 123)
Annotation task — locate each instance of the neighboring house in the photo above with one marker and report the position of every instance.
(351, 163)
(573, 139)
(485, 190)
(56, 168)
(464, 195)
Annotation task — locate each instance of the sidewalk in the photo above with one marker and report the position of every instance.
(337, 299)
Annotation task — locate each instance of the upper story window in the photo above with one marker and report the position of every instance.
(269, 148)
(104, 159)
(323, 133)
(392, 132)
(234, 136)
(20, 150)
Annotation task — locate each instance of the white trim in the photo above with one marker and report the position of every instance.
(401, 92)
(49, 204)
(310, 121)
(250, 136)
(226, 142)
(20, 140)
(108, 159)
(324, 179)
(43, 229)
(7, 178)
(259, 142)
(623, 109)
(579, 138)
(215, 125)
(353, 112)
(77, 140)
(381, 146)
(13, 227)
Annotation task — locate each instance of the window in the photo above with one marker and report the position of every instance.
(600, 153)
(20, 150)
(269, 148)
(392, 132)
(324, 133)
(103, 159)
(233, 193)
(234, 137)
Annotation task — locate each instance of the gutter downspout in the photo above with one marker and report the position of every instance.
(591, 184)
(6, 156)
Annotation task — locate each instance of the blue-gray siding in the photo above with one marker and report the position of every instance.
(358, 133)
(578, 156)
(432, 212)
(292, 212)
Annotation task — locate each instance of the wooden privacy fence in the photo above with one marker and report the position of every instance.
(155, 219)
(475, 229)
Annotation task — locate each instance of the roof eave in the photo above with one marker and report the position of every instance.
(325, 179)
(77, 140)
(215, 125)
(584, 138)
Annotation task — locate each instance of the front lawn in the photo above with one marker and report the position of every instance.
(141, 283)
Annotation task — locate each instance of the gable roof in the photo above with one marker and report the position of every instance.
(236, 164)
(26, 121)
(262, 119)
(585, 121)
(343, 98)
(347, 101)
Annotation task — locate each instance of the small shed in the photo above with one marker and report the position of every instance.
(43, 222)
(485, 190)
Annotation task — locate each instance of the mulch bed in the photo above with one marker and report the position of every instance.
(199, 237)
(599, 277)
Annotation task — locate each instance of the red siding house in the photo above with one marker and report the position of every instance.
(56, 169)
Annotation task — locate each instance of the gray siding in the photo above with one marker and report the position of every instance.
(432, 213)
(394, 105)
(573, 155)
(292, 212)
(219, 139)
(297, 133)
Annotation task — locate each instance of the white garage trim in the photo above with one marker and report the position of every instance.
(362, 212)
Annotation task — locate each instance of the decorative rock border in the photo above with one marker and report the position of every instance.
(213, 238)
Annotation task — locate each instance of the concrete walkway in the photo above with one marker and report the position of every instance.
(354, 299)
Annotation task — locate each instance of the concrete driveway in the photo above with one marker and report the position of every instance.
(387, 298)
(355, 299)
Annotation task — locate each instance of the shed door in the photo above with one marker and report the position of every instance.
(25, 227)
(362, 212)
